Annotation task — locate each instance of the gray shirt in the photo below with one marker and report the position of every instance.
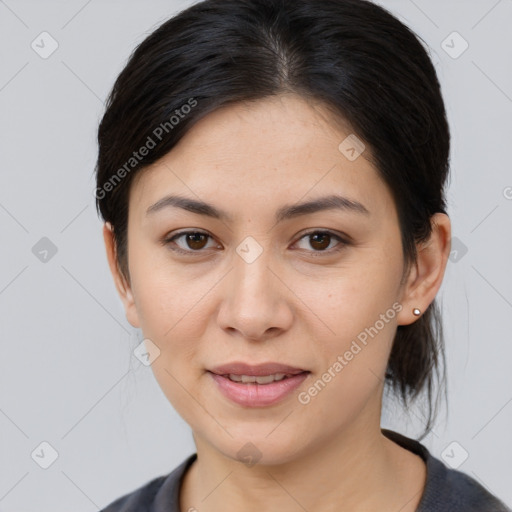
(446, 489)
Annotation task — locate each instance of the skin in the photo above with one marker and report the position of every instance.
(300, 303)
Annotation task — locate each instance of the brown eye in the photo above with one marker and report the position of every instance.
(195, 240)
(320, 241)
(191, 241)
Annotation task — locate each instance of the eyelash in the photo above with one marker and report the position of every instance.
(340, 246)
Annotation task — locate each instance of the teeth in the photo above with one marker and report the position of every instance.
(264, 379)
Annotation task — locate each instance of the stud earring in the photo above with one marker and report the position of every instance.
(416, 312)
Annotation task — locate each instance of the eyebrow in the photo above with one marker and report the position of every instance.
(331, 202)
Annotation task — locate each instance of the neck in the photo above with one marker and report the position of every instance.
(359, 468)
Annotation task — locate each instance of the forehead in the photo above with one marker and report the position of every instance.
(265, 151)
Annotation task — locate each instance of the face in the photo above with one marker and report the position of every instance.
(267, 280)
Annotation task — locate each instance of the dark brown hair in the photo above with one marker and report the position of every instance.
(355, 57)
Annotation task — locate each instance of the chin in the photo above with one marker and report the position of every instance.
(259, 450)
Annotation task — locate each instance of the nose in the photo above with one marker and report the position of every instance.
(255, 300)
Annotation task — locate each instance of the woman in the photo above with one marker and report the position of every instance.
(271, 175)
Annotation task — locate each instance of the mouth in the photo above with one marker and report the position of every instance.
(260, 370)
(263, 379)
(257, 385)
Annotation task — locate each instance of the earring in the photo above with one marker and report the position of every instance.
(416, 312)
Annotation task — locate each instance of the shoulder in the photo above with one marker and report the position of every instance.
(141, 499)
(448, 489)
(453, 490)
(160, 494)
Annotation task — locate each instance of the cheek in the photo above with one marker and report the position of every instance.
(355, 296)
(165, 295)
(172, 315)
(353, 351)
(354, 314)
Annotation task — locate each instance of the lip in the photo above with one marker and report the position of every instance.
(252, 394)
(241, 368)
(258, 395)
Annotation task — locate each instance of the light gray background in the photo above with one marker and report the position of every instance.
(67, 375)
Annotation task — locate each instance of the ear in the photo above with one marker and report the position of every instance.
(122, 286)
(426, 275)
